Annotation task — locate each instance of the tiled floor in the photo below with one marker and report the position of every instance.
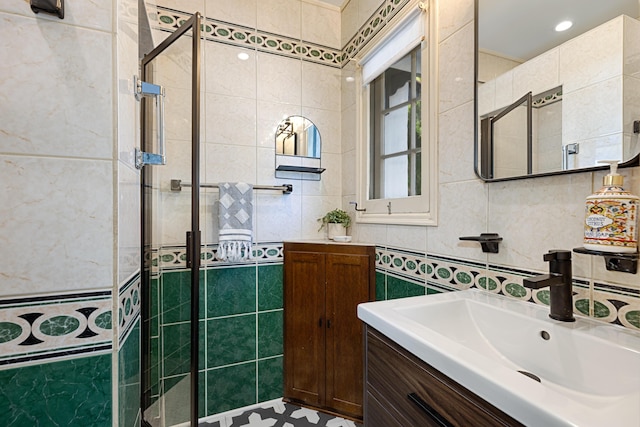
(278, 414)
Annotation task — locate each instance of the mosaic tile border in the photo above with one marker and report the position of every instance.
(129, 304)
(238, 35)
(53, 326)
(169, 258)
(611, 303)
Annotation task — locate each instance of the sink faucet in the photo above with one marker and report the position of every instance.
(560, 282)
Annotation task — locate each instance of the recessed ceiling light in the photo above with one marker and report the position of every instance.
(564, 25)
(243, 56)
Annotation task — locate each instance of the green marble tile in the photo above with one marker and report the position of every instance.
(270, 287)
(398, 288)
(176, 348)
(381, 293)
(129, 378)
(176, 297)
(231, 387)
(177, 399)
(270, 380)
(74, 392)
(431, 291)
(129, 356)
(270, 333)
(231, 340)
(231, 291)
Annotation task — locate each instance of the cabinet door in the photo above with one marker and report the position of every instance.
(304, 323)
(347, 286)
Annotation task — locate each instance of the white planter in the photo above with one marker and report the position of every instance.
(335, 230)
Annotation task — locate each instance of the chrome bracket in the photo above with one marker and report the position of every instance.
(143, 89)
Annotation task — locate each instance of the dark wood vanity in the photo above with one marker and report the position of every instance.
(404, 391)
(323, 337)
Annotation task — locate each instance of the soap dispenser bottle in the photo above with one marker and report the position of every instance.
(611, 216)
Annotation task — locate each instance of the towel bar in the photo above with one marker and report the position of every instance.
(177, 185)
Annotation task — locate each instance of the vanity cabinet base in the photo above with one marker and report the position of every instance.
(402, 390)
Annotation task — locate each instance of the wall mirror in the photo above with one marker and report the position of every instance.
(550, 102)
(298, 149)
(298, 136)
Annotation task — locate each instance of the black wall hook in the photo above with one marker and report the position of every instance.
(488, 241)
(54, 7)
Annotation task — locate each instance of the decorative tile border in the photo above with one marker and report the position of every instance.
(611, 303)
(169, 258)
(374, 24)
(128, 306)
(238, 35)
(54, 326)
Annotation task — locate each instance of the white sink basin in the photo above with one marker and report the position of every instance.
(589, 372)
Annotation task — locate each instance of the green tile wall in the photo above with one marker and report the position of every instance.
(74, 392)
(241, 335)
(129, 379)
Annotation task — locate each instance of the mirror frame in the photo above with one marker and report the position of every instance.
(635, 161)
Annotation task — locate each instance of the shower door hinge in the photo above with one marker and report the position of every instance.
(143, 89)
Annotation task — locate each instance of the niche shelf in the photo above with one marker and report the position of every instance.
(615, 261)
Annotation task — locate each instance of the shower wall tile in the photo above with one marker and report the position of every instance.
(230, 120)
(279, 79)
(538, 75)
(320, 86)
(321, 24)
(217, 78)
(129, 378)
(455, 134)
(231, 340)
(462, 212)
(230, 163)
(235, 286)
(68, 71)
(270, 379)
(128, 222)
(231, 387)
(349, 22)
(94, 15)
(453, 15)
(243, 12)
(49, 393)
(577, 67)
(270, 287)
(74, 239)
(270, 333)
(552, 210)
(456, 77)
(284, 226)
(280, 17)
(598, 109)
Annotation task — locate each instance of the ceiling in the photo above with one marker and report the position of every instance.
(523, 29)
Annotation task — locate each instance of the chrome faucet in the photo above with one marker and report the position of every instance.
(560, 282)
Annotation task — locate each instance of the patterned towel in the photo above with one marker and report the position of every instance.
(235, 221)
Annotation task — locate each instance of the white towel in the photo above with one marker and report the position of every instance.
(235, 233)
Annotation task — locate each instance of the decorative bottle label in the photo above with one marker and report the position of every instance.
(611, 222)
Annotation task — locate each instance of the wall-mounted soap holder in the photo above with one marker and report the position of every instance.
(54, 7)
(615, 261)
(488, 241)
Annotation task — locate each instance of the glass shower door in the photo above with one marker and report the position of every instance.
(170, 228)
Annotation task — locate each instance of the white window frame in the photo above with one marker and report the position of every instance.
(382, 51)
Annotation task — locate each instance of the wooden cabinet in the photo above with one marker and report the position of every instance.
(402, 390)
(323, 337)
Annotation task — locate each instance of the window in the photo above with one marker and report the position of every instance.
(398, 171)
(395, 134)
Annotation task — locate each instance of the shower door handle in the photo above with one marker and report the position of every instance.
(157, 92)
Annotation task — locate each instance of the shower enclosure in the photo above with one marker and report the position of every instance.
(170, 81)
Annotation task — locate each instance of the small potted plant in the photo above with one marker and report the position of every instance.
(337, 222)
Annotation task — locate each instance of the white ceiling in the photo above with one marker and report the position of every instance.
(522, 29)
